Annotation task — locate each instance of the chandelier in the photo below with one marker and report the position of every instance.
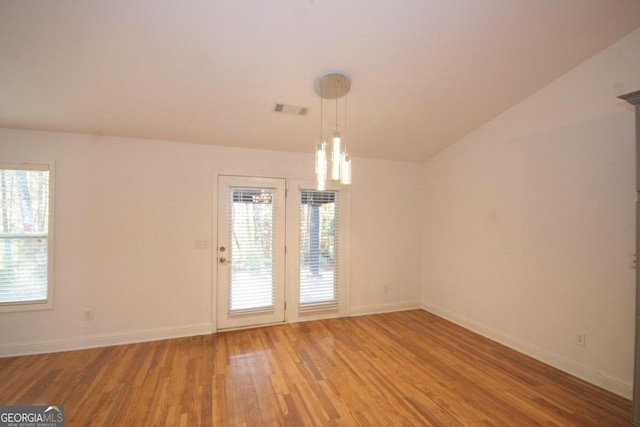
(336, 163)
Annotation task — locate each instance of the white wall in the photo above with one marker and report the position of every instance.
(128, 213)
(385, 223)
(528, 223)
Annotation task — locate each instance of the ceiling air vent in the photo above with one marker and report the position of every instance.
(294, 110)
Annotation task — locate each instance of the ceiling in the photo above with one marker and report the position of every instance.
(424, 72)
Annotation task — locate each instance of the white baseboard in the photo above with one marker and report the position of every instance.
(92, 341)
(360, 310)
(593, 376)
(586, 373)
(105, 340)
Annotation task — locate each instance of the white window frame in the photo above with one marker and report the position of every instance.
(48, 303)
(294, 314)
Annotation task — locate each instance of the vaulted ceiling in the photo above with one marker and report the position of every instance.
(424, 72)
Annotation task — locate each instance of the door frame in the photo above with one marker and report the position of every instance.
(291, 313)
(222, 321)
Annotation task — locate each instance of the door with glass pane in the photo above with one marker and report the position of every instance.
(251, 251)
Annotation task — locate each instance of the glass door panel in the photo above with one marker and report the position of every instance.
(250, 251)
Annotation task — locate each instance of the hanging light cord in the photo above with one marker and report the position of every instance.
(344, 126)
(336, 90)
(321, 99)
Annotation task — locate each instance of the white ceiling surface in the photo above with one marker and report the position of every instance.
(425, 72)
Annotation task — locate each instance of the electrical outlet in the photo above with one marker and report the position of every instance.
(633, 261)
(581, 340)
(386, 289)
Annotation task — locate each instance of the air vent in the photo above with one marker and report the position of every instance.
(294, 110)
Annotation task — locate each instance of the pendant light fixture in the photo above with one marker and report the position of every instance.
(335, 165)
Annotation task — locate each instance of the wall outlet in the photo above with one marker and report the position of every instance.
(633, 261)
(581, 340)
(386, 289)
(87, 314)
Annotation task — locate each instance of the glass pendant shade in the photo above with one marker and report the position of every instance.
(345, 166)
(336, 156)
(321, 166)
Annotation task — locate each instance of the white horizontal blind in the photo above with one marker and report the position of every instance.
(318, 250)
(251, 282)
(24, 226)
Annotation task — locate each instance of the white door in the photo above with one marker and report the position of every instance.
(251, 251)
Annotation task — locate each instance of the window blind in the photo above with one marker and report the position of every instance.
(24, 242)
(251, 283)
(318, 250)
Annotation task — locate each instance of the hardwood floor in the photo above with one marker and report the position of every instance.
(406, 368)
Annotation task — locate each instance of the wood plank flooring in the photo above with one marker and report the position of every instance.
(407, 368)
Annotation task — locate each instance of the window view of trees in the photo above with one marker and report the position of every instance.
(318, 247)
(251, 249)
(251, 252)
(24, 222)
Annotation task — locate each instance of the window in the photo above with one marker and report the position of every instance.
(318, 249)
(251, 224)
(25, 238)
